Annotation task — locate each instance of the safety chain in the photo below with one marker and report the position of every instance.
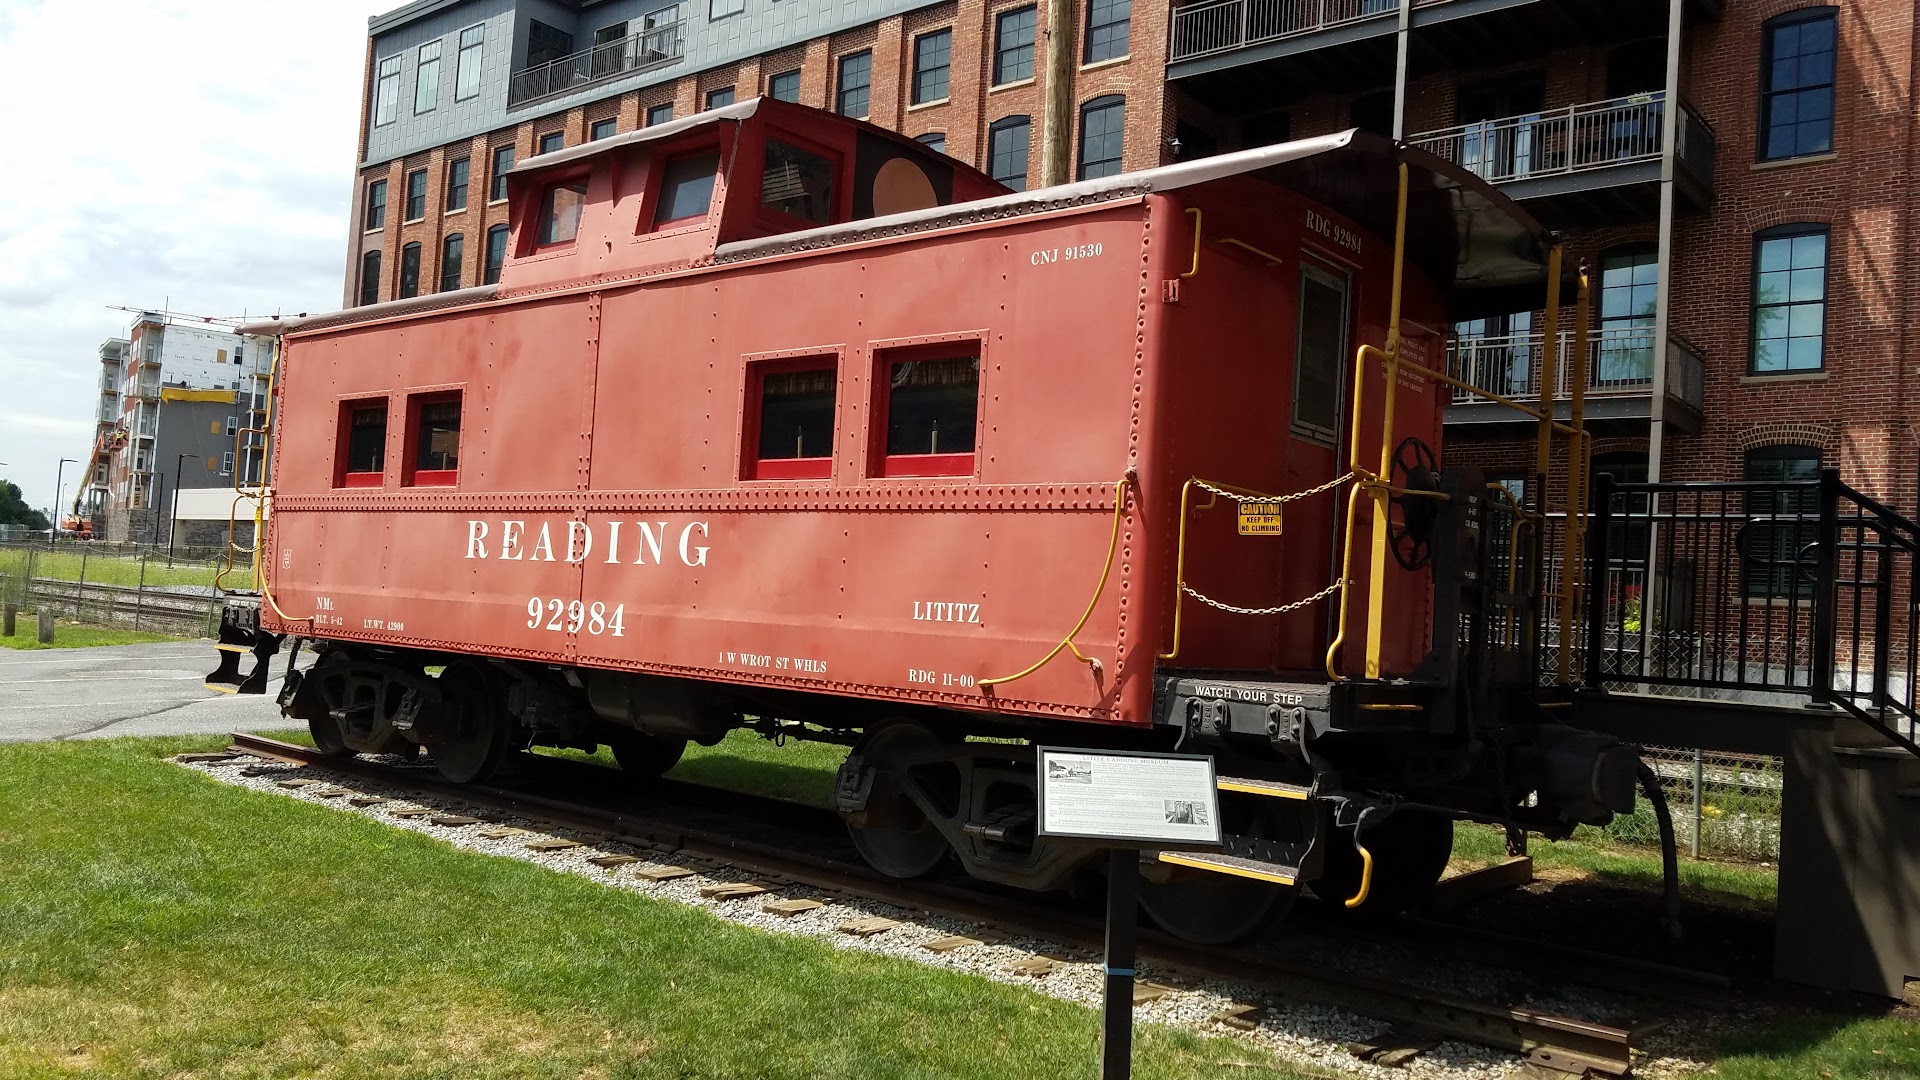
(1241, 496)
(1281, 610)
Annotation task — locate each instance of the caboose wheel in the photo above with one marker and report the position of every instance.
(643, 754)
(894, 835)
(474, 733)
(1207, 908)
(1410, 851)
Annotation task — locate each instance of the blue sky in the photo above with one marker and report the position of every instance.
(196, 153)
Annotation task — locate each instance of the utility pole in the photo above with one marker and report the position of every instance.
(173, 522)
(59, 484)
(1056, 132)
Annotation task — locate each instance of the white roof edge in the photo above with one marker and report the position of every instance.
(429, 302)
(739, 110)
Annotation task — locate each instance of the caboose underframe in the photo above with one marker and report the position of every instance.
(1372, 678)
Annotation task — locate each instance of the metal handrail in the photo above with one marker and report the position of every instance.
(1216, 26)
(651, 48)
(1619, 361)
(1590, 135)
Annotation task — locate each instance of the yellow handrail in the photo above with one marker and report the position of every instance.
(1106, 571)
(1197, 219)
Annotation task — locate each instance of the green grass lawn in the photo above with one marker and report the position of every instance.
(65, 565)
(68, 635)
(155, 923)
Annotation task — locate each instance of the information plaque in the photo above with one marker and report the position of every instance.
(1129, 799)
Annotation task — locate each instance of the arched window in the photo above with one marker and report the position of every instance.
(1007, 151)
(496, 254)
(409, 271)
(933, 140)
(450, 262)
(370, 278)
(1796, 83)
(1629, 288)
(1103, 124)
(1789, 299)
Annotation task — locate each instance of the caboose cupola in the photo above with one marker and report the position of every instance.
(666, 196)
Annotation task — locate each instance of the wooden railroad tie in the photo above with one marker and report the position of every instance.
(663, 873)
(1144, 991)
(217, 756)
(612, 862)
(791, 907)
(412, 812)
(868, 927)
(500, 832)
(950, 943)
(731, 890)
(453, 820)
(1035, 966)
(367, 800)
(332, 792)
(1243, 1017)
(298, 783)
(1393, 1048)
(552, 843)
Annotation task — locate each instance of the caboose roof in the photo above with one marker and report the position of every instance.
(1476, 243)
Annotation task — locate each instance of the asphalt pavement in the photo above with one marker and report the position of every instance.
(153, 689)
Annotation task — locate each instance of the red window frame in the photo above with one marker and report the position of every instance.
(411, 475)
(536, 209)
(781, 221)
(656, 184)
(912, 465)
(343, 443)
(755, 467)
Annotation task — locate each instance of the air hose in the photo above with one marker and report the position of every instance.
(1669, 850)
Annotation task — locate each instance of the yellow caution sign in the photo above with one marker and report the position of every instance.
(1259, 519)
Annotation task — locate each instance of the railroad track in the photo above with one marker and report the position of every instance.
(1564, 1043)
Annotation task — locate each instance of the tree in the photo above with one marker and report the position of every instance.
(15, 511)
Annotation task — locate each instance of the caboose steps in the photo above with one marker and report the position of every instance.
(1276, 873)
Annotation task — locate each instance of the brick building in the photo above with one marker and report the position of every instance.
(1775, 342)
(458, 90)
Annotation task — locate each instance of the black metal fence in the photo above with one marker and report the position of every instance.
(1797, 587)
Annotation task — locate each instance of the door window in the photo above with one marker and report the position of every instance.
(1319, 355)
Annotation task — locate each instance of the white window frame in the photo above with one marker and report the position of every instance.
(466, 74)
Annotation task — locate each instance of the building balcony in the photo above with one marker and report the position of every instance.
(661, 45)
(1619, 386)
(1586, 165)
(1228, 52)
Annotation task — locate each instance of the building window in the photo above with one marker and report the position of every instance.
(410, 271)
(1107, 24)
(426, 79)
(686, 188)
(450, 262)
(226, 463)
(1320, 354)
(932, 404)
(457, 185)
(797, 183)
(370, 278)
(933, 140)
(386, 93)
(1007, 150)
(416, 195)
(1775, 533)
(496, 253)
(603, 128)
(502, 162)
(435, 439)
(720, 9)
(1013, 45)
(233, 425)
(856, 76)
(560, 212)
(545, 44)
(365, 443)
(932, 61)
(784, 86)
(1796, 84)
(1629, 284)
(551, 141)
(466, 78)
(790, 420)
(376, 205)
(720, 97)
(660, 114)
(1789, 299)
(1102, 123)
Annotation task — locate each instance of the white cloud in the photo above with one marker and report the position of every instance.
(202, 156)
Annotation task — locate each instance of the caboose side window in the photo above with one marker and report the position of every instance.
(1319, 352)
(435, 438)
(686, 188)
(797, 183)
(560, 212)
(790, 419)
(364, 431)
(932, 403)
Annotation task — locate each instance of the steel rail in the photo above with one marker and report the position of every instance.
(1559, 1042)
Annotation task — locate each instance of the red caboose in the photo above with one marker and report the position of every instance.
(776, 418)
